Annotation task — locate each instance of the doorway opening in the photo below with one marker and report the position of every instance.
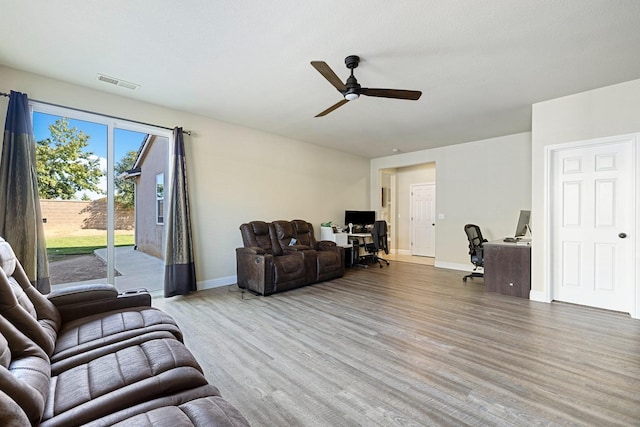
(397, 208)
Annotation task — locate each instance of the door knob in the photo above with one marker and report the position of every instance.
(622, 235)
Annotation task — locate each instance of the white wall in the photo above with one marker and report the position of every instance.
(608, 111)
(483, 182)
(236, 174)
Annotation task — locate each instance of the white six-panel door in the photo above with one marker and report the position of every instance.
(423, 219)
(593, 216)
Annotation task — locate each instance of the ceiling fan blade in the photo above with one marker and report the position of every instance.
(392, 93)
(333, 107)
(328, 74)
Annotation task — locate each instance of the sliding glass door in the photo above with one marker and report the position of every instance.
(89, 173)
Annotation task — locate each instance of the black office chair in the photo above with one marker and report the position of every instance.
(476, 251)
(378, 243)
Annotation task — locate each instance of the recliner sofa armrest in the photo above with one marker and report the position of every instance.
(296, 248)
(253, 250)
(254, 268)
(82, 293)
(87, 307)
(326, 244)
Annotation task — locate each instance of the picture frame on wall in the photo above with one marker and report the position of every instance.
(385, 198)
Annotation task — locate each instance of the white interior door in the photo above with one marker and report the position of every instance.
(593, 217)
(423, 219)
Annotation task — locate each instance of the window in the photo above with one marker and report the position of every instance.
(160, 199)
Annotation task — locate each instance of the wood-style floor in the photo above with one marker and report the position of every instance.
(413, 345)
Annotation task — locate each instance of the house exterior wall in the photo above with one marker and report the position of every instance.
(148, 232)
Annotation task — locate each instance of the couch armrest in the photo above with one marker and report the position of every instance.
(326, 244)
(252, 250)
(82, 304)
(255, 270)
(296, 248)
(82, 293)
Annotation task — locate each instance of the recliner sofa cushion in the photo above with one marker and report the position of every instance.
(200, 406)
(329, 258)
(210, 411)
(121, 379)
(11, 414)
(94, 353)
(283, 233)
(103, 328)
(24, 372)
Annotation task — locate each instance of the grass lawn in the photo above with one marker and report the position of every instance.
(61, 247)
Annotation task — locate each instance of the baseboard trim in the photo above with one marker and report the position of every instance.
(538, 296)
(454, 266)
(217, 283)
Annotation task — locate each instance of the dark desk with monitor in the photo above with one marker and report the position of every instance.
(507, 268)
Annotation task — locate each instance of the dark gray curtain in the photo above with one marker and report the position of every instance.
(20, 215)
(180, 269)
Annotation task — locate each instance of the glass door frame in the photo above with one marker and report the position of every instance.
(112, 124)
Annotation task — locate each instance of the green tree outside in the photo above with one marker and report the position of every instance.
(62, 166)
(125, 187)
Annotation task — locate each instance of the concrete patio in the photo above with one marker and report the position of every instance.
(137, 270)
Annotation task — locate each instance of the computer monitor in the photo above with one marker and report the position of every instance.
(523, 223)
(361, 218)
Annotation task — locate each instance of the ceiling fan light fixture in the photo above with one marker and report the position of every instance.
(351, 96)
(351, 89)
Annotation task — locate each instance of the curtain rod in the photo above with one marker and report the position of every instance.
(8, 95)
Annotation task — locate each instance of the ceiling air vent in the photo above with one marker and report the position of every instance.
(117, 82)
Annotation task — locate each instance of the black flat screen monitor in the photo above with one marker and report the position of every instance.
(523, 223)
(359, 217)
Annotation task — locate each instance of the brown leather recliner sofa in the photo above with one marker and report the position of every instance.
(272, 261)
(91, 356)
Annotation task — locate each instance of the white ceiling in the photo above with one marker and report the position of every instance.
(479, 63)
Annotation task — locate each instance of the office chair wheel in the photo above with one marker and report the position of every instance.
(464, 279)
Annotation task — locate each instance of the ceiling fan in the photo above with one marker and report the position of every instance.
(351, 90)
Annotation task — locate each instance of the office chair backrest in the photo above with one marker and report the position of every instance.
(379, 236)
(474, 235)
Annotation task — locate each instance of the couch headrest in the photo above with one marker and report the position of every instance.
(5, 352)
(256, 234)
(284, 231)
(26, 380)
(301, 226)
(260, 228)
(7, 258)
(17, 307)
(23, 305)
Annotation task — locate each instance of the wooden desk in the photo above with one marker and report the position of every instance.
(507, 268)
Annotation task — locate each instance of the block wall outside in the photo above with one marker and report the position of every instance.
(61, 215)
